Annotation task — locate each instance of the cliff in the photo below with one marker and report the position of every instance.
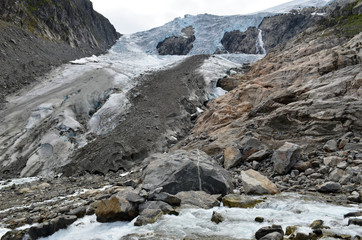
(38, 35)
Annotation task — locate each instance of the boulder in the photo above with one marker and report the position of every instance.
(79, 212)
(167, 198)
(286, 157)
(330, 146)
(192, 199)
(332, 161)
(240, 201)
(259, 155)
(48, 228)
(266, 230)
(330, 187)
(273, 236)
(115, 209)
(148, 216)
(301, 236)
(185, 171)
(155, 205)
(217, 217)
(301, 166)
(255, 183)
(232, 157)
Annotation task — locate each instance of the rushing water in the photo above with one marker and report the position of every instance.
(285, 209)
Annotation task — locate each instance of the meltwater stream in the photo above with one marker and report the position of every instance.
(287, 209)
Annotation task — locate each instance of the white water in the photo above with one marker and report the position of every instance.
(285, 210)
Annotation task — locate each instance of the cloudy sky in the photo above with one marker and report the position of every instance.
(138, 15)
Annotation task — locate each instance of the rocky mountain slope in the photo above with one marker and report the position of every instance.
(37, 35)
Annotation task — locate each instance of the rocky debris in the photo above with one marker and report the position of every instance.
(240, 201)
(199, 199)
(217, 217)
(232, 157)
(286, 157)
(255, 183)
(185, 171)
(267, 230)
(177, 45)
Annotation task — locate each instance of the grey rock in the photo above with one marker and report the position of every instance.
(286, 157)
(353, 146)
(301, 236)
(79, 212)
(330, 187)
(302, 166)
(330, 146)
(342, 165)
(192, 199)
(167, 198)
(266, 230)
(273, 236)
(332, 161)
(217, 217)
(185, 171)
(148, 216)
(259, 155)
(355, 221)
(232, 157)
(255, 183)
(48, 228)
(177, 45)
(336, 175)
(164, 207)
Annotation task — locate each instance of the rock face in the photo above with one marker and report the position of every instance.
(286, 157)
(40, 34)
(185, 171)
(181, 45)
(242, 42)
(255, 183)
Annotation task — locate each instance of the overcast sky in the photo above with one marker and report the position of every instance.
(138, 15)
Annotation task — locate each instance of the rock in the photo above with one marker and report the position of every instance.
(342, 165)
(48, 228)
(232, 157)
(177, 45)
(217, 217)
(259, 155)
(290, 230)
(301, 236)
(155, 205)
(355, 221)
(167, 198)
(255, 183)
(353, 214)
(148, 216)
(330, 146)
(355, 197)
(231, 41)
(15, 235)
(240, 201)
(286, 157)
(259, 219)
(273, 236)
(336, 175)
(332, 161)
(266, 230)
(317, 224)
(115, 209)
(192, 199)
(302, 166)
(330, 187)
(185, 171)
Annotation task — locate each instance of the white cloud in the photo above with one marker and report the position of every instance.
(138, 15)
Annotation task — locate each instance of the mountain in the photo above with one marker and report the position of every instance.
(38, 35)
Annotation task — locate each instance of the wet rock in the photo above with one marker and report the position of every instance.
(79, 212)
(185, 171)
(15, 235)
(330, 187)
(353, 214)
(270, 229)
(273, 236)
(232, 157)
(217, 217)
(286, 157)
(48, 228)
(318, 224)
(148, 216)
(255, 183)
(240, 201)
(155, 205)
(115, 209)
(259, 219)
(192, 199)
(301, 236)
(290, 230)
(355, 221)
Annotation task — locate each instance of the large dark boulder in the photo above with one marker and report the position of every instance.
(185, 171)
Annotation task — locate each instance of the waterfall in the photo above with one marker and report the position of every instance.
(260, 44)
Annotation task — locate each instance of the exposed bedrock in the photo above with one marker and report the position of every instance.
(178, 45)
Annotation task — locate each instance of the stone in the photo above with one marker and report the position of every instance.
(330, 187)
(200, 199)
(164, 207)
(294, 173)
(259, 219)
(342, 165)
(232, 157)
(336, 175)
(240, 201)
(301, 236)
(355, 221)
(273, 236)
(259, 155)
(317, 224)
(115, 209)
(79, 212)
(302, 166)
(266, 230)
(332, 161)
(48, 228)
(217, 217)
(255, 183)
(355, 197)
(286, 157)
(148, 216)
(167, 198)
(353, 147)
(290, 230)
(331, 146)
(182, 170)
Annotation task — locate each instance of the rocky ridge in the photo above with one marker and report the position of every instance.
(38, 35)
